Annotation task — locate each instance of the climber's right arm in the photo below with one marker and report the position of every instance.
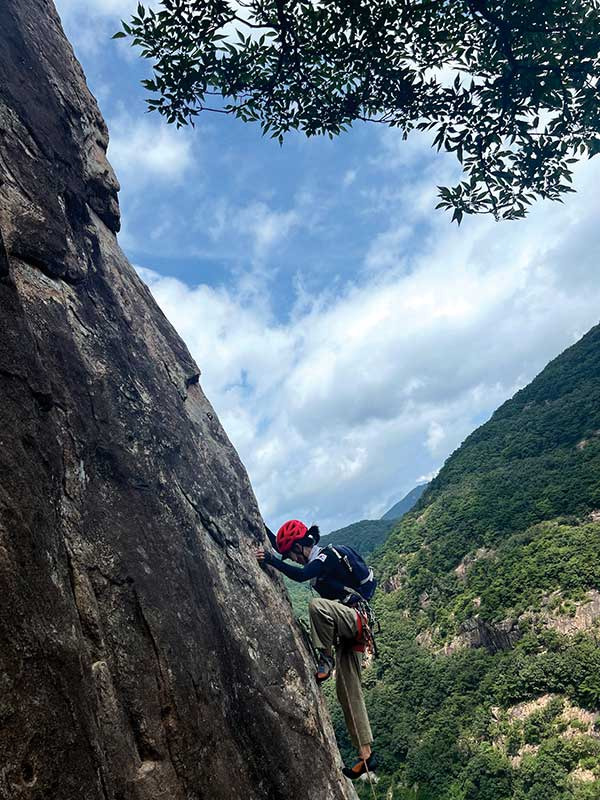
(299, 574)
(272, 538)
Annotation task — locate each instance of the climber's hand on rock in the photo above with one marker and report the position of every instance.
(264, 557)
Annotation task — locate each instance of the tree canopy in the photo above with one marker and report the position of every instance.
(510, 86)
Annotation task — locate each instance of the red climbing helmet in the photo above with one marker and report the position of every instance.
(291, 531)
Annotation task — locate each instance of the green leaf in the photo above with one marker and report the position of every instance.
(334, 63)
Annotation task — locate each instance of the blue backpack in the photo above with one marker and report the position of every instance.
(360, 575)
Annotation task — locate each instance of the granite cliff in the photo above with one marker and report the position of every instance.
(143, 653)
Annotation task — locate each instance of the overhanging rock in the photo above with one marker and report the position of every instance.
(143, 653)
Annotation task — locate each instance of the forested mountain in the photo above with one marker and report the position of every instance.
(363, 536)
(488, 681)
(368, 534)
(402, 507)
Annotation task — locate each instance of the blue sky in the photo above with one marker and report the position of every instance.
(348, 335)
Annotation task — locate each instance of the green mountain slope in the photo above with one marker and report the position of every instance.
(537, 458)
(488, 683)
(402, 507)
(363, 536)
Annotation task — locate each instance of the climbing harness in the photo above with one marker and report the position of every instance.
(369, 626)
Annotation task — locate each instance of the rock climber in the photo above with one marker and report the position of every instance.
(343, 580)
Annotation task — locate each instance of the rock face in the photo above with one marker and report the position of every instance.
(143, 653)
(475, 632)
(585, 615)
(472, 558)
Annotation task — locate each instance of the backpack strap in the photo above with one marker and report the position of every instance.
(341, 557)
(346, 560)
(370, 577)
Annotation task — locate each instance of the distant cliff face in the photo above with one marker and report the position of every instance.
(143, 653)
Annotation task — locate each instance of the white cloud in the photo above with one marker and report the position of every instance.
(143, 150)
(107, 8)
(364, 390)
(435, 437)
(250, 233)
(355, 399)
(428, 477)
(266, 227)
(89, 24)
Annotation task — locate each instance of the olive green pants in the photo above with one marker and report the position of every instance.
(334, 626)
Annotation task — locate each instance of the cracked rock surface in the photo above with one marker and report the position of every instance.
(143, 653)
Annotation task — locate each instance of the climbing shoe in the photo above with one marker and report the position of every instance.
(361, 767)
(324, 667)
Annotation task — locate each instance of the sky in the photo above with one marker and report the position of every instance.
(349, 336)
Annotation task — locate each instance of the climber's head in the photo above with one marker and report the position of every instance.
(295, 540)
